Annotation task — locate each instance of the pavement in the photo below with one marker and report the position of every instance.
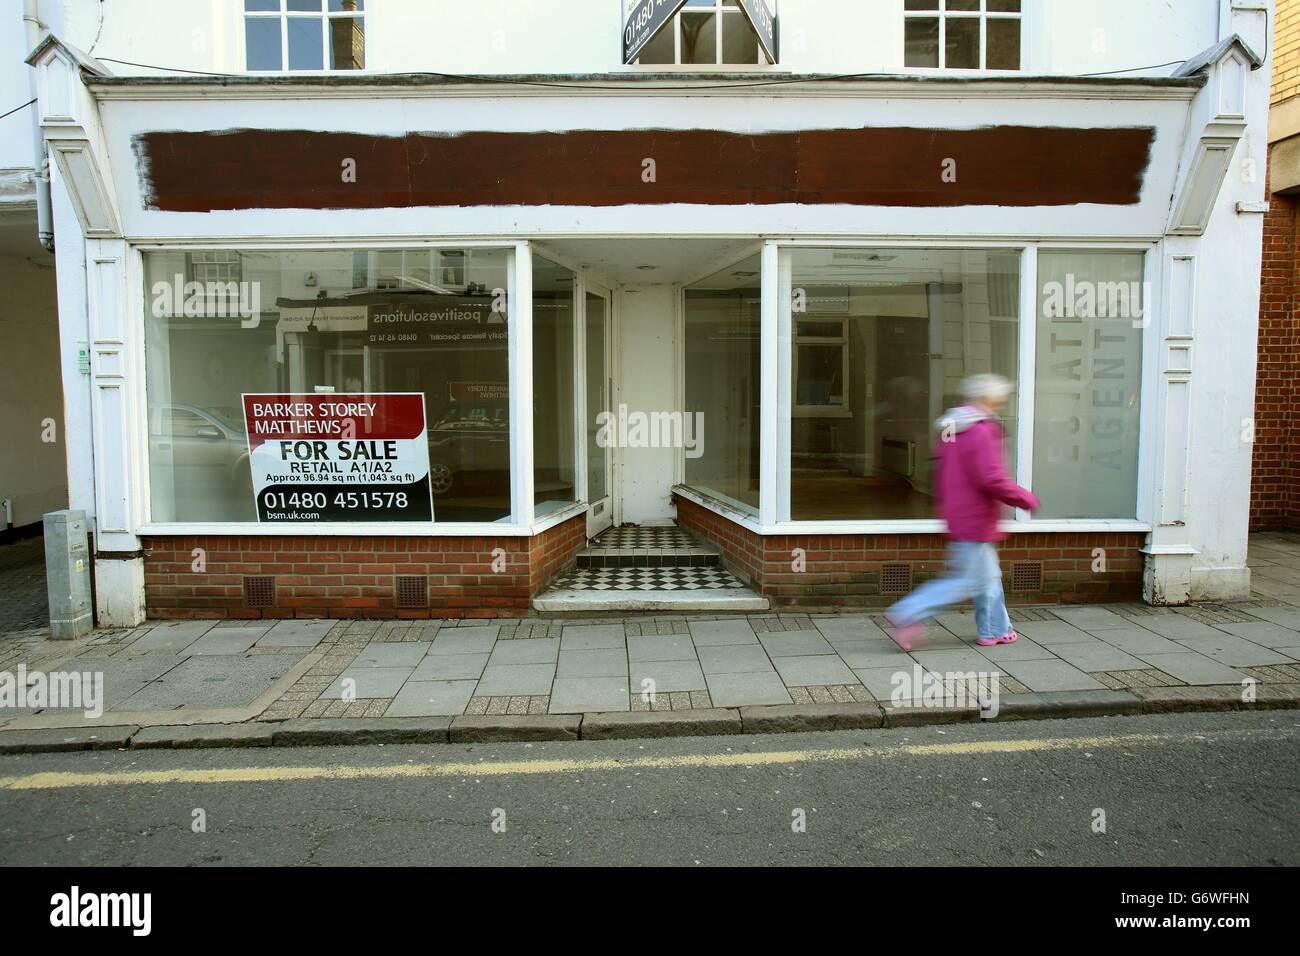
(259, 683)
(1150, 790)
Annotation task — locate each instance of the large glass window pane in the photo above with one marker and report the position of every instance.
(722, 384)
(262, 42)
(739, 41)
(553, 448)
(1088, 383)
(222, 324)
(882, 341)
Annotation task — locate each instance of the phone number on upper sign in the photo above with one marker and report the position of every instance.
(351, 500)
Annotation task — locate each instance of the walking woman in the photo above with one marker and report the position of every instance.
(971, 490)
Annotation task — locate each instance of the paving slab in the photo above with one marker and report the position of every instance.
(871, 653)
(1264, 633)
(599, 662)
(1140, 641)
(738, 690)
(734, 659)
(675, 647)
(1094, 657)
(1022, 649)
(1194, 668)
(953, 661)
(533, 650)
(880, 681)
(1051, 633)
(368, 683)
(516, 680)
(1091, 618)
(450, 667)
(295, 634)
(123, 676)
(441, 698)
(814, 671)
(1234, 651)
(392, 654)
(172, 637)
(1051, 675)
(1288, 617)
(584, 637)
(849, 627)
(795, 644)
(667, 676)
(211, 682)
(465, 640)
(578, 695)
(228, 640)
(712, 633)
(1176, 627)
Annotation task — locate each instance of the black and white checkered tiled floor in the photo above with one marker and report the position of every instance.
(647, 579)
(631, 537)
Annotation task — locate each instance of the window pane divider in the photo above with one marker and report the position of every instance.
(1027, 372)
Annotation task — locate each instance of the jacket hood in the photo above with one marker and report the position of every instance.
(961, 418)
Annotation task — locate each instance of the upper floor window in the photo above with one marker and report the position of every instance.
(305, 34)
(705, 32)
(962, 34)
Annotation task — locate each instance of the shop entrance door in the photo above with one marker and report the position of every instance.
(599, 391)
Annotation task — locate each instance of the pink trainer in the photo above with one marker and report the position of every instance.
(905, 636)
(1009, 637)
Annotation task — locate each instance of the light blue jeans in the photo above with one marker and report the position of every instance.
(972, 572)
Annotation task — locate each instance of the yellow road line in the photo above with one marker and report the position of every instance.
(55, 781)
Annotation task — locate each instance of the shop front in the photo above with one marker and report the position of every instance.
(369, 348)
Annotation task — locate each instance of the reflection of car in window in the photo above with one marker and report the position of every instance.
(469, 446)
(206, 449)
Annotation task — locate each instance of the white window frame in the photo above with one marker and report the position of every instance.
(283, 15)
(777, 378)
(520, 523)
(984, 15)
(721, 11)
(843, 409)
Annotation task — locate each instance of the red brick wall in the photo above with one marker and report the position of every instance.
(845, 569)
(354, 576)
(1275, 476)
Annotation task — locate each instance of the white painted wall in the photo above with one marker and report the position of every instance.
(645, 380)
(33, 472)
(584, 36)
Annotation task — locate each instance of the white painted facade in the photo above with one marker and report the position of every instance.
(1199, 349)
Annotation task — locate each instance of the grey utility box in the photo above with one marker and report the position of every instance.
(67, 574)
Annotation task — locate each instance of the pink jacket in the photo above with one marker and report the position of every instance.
(971, 484)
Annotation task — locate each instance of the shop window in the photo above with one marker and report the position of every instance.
(553, 428)
(704, 33)
(889, 335)
(298, 322)
(1087, 395)
(304, 35)
(722, 384)
(962, 34)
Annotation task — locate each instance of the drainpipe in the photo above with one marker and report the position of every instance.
(44, 215)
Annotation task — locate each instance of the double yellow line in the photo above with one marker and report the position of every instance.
(508, 768)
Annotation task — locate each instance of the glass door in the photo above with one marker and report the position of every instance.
(600, 511)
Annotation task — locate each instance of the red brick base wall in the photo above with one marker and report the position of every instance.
(354, 576)
(844, 570)
(1275, 470)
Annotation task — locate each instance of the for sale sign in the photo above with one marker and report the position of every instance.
(339, 457)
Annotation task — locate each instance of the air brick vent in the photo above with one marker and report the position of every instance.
(259, 591)
(895, 578)
(1026, 576)
(412, 591)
